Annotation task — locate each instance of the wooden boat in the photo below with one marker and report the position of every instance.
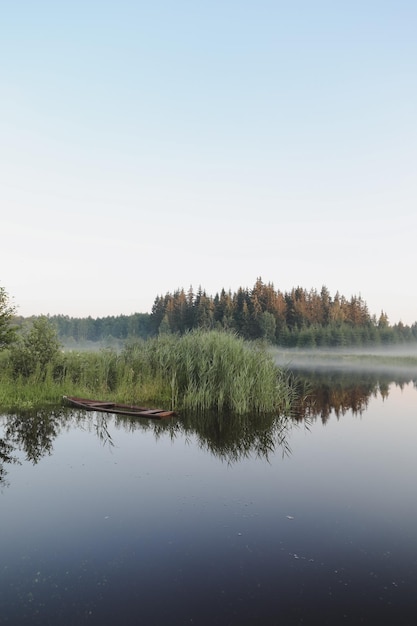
(115, 407)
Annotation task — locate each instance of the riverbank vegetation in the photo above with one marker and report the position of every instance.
(298, 318)
(199, 371)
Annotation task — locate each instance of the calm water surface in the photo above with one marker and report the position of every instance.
(107, 521)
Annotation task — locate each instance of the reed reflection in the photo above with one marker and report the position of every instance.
(231, 438)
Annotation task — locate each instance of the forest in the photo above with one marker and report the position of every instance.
(297, 318)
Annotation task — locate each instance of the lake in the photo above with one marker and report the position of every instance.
(308, 520)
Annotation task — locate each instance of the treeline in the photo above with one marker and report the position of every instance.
(101, 329)
(296, 318)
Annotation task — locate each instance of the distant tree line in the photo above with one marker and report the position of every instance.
(101, 329)
(297, 318)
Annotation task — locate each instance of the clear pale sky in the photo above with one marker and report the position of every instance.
(149, 146)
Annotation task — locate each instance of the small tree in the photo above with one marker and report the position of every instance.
(38, 348)
(7, 312)
(268, 326)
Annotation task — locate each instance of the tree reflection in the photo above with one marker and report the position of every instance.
(6, 457)
(337, 392)
(33, 432)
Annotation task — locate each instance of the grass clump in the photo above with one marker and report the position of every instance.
(217, 371)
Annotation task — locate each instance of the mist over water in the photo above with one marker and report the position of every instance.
(395, 360)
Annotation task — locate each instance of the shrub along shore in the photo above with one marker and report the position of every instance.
(199, 371)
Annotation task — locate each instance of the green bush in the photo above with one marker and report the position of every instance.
(35, 350)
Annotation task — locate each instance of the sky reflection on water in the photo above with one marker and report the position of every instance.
(139, 529)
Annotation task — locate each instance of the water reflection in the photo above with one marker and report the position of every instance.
(98, 424)
(231, 438)
(336, 392)
(33, 432)
(30, 432)
(6, 457)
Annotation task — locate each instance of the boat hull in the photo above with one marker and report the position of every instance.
(117, 408)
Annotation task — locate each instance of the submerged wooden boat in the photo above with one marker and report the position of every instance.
(114, 407)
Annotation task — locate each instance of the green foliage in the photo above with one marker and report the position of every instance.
(36, 349)
(268, 326)
(199, 371)
(7, 312)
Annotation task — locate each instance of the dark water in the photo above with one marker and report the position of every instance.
(306, 521)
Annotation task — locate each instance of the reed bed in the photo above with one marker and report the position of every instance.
(217, 371)
(199, 371)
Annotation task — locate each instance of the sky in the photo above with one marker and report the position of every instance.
(152, 146)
